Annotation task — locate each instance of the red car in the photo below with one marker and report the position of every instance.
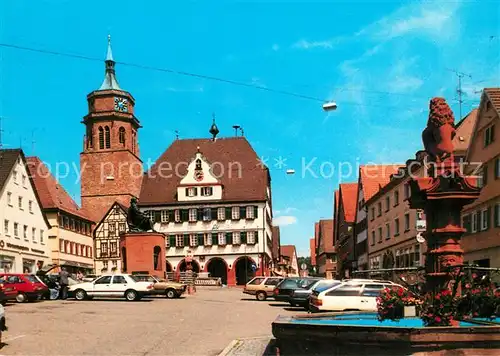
(7, 292)
(28, 286)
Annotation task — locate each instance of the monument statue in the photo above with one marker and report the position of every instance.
(137, 220)
(438, 136)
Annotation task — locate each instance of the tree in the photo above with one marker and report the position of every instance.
(307, 261)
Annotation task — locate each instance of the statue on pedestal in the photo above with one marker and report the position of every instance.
(137, 220)
(440, 131)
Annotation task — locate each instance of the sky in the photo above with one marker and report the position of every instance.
(380, 61)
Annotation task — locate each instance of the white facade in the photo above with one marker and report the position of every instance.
(229, 252)
(24, 245)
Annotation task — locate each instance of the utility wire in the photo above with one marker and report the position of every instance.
(205, 77)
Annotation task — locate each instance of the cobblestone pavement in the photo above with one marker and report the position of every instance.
(200, 324)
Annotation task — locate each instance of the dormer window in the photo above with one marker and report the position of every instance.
(191, 192)
(206, 191)
(198, 164)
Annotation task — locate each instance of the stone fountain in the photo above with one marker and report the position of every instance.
(442, 194)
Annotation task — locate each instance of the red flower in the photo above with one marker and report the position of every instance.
(437, 319)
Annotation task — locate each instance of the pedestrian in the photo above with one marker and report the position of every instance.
(63, 283)
(79, 276)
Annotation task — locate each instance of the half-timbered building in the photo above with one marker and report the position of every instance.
(107, 239)
(212, 200)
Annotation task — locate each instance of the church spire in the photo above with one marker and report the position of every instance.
(110, 82)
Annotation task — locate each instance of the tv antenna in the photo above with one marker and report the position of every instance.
(176, 134)
(459, 90)
(236, 128)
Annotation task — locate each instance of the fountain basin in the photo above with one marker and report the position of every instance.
(362, 334)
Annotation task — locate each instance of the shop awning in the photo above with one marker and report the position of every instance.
(75, 264)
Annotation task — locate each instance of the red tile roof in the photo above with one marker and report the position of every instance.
(349, 194)
(336, 199)
(316, 233)
(234, 161)
(494, 95)
(464, 130)
(288, 251)
(52, 194)
(374, 177)
(312, 250)
(8, 159)
(326, 231)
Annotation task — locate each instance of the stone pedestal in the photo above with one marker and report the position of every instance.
(442, 195)
(143, 252)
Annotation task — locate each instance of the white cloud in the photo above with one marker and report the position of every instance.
(400, 80)
(325, 44)
(284, 220)
(285, 211)
(422, 18)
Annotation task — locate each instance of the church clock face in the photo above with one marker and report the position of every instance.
(121, 104)
(198, 175)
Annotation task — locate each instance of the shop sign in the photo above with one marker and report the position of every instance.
(18, 247)
(37, 251)
(421, 225)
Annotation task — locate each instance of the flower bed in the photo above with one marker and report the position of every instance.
(391, 303)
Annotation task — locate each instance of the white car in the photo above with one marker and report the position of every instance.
(112, 286)
(353, 295)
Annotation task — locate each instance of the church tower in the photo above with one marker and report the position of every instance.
(111, 169)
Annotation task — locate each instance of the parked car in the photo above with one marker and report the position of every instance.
(262, 287)
(300, 296)
(28, 286)
(349, 296)
(112, 286)
(3, 323)
(7, 292)
(162, 286)
(90, 277)
(285, 288)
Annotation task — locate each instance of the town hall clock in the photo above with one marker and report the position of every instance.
(121, 104)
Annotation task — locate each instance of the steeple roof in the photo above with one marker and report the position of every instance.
(110, 82)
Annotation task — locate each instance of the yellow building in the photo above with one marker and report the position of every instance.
(70, 235)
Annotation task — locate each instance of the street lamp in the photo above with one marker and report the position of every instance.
(330, 106)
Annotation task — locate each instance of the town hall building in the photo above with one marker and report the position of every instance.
(215, 206)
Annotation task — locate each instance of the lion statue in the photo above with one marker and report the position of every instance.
(440, 131)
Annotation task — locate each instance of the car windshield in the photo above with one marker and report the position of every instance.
(322, 286)
(289, 283)
(33, 279)
(307, 283)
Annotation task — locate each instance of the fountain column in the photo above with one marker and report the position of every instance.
(442, 193)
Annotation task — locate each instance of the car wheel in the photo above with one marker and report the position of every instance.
(131, 295)
(3, 302)
(80, 294)
(170, 293)
(21, 298)
(261, 296)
